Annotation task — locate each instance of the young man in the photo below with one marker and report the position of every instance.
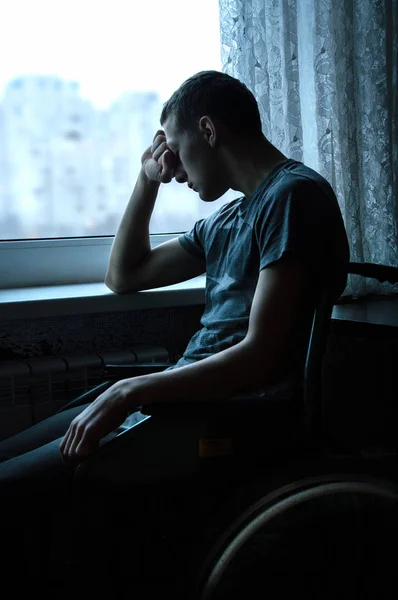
(266, 256)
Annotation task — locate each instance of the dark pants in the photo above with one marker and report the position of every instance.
(49, 515)
(36, 489)
(50, 512)
(33, 456)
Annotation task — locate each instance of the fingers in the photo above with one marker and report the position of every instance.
(159, 147)
(66, 442)
(165, 158)
(168, 166)
(166, 161)
(75, 443)
(158, 139)
(159, 150)
(84, 448)
(159, 132)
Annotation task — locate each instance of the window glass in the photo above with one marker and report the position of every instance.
(82, 85)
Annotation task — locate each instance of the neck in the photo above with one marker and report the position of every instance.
(249, 161)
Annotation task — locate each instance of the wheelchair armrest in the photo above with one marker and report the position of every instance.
(116, 372)
(235, 407)
(185, 410)
(377, 271)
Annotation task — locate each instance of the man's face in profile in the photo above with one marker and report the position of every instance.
(196, 161)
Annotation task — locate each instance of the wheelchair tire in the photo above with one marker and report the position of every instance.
(325, 537)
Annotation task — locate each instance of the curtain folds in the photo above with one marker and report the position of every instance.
(324, 73)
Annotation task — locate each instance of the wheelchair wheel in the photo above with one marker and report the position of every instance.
(326, 537)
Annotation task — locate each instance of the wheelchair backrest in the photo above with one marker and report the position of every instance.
(314, 412)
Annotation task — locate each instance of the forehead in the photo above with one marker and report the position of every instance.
(174, 135)
(170, 128)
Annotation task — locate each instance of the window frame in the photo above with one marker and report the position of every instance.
(59, 261)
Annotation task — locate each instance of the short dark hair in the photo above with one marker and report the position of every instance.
(216, 95)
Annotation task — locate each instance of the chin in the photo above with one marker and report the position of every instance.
(206, 198)
(210, 195)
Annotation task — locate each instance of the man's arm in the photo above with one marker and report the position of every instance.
(278, 307)
(133, 265)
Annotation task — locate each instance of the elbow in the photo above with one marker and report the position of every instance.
(110, 285)
(262, 365)
(115, 284)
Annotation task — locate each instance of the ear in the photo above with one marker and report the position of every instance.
(208, 129)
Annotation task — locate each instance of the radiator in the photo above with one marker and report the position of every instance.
(34, 389)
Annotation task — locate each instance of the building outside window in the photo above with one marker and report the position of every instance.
(80, 101)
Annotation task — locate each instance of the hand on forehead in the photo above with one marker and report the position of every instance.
(171, 131)
(161, 143)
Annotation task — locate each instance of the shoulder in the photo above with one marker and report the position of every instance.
(297, 187)
(301, 180)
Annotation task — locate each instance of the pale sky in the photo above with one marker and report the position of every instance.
(109, 46)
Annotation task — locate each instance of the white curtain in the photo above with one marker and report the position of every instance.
(324, 73)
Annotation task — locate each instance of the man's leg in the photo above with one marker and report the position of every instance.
(50, 429)
(38, 435)
(45, 517)
(33, 486)
(34, 483)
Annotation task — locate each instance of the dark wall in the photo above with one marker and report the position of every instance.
(82, 334)
(38, 388)
(361, 386)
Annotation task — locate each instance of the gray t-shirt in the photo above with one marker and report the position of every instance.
(293, 211)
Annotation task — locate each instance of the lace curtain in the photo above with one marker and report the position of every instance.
(324, 73)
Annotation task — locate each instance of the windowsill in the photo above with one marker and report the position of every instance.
(83, 298)
(379, 310)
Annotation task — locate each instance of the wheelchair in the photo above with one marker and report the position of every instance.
(245, 497)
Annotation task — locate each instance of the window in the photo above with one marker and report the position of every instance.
(88, 104)
(95, 102)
